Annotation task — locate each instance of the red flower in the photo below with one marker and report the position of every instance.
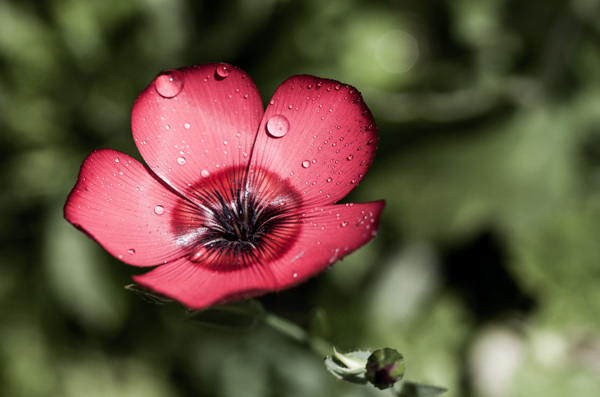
(236, 201)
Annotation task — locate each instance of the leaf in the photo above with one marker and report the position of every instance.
(148, 295)
(411, 389)
(236, 316)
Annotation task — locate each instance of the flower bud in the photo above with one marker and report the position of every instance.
(384, 368)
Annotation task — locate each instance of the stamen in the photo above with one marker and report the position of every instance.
(237, 220)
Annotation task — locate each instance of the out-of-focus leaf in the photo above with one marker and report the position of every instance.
(558, 263)
(77, 277)
(148, 295)
(235, 316)
(411, 389)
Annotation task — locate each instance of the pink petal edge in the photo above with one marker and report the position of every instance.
(120, 204)
(330, 142)
(210, 124)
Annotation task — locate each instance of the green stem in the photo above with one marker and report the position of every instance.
(297, 333)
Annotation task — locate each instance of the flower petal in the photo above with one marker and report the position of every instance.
(119, 203)
(193, 121)
(320, 135)
(327, 235)
(198, 287)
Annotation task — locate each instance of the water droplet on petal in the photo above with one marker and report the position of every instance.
(169, 83)
(205, 174)
(131, 251)
(181, 161)
(187, 126)
(350, 157)
(116, 160)
(278, 126)
(159, 210)
(295, 275)
(305, 163)
(223, 71)
(344, 224)
(329, 179)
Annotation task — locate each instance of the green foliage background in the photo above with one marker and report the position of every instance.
(486, 270)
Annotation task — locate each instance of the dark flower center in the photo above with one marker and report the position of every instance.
(233, 219)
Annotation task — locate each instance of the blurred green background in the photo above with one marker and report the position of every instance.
(486, 270)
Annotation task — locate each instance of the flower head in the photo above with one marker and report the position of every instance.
(384, 368)
(235, 201)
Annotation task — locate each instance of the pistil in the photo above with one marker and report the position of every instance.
(237, 226)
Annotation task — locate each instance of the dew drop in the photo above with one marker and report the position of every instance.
(295, 275)
(131, 251)
(116, 160)
(305, 163)
(159, 210)
(223, 71)
(181, 161)
(350, 157)
(205, 174)
(278, 126)
(344, 224)
(187, 126)
(169, 83)
(329, 179)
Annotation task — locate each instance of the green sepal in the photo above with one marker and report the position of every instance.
(148, 295)
(349, 366)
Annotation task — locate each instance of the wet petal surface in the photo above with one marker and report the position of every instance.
(197, 286)
(319, 135)
(194, 121)
(124, 207)
(328, 234)
(325, 235)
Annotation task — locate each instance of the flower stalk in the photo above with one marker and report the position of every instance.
(296, 333)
